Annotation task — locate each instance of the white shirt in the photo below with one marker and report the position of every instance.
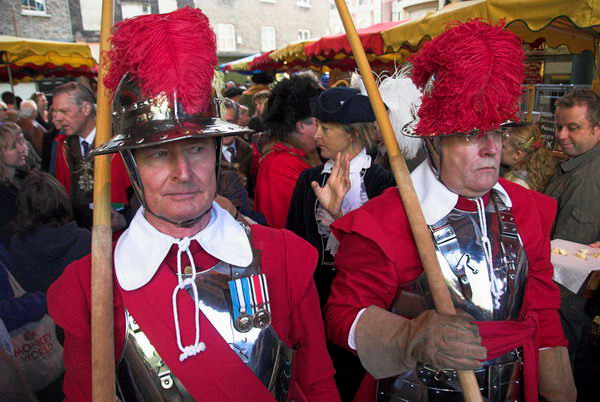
(89, 139)
(141, 249)
(226, 153)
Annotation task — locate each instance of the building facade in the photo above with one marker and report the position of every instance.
(36, 19)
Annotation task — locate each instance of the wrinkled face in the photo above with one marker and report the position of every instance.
(15, 153)
(179, 177)
(470, 168)
(41, 102)
(70, 117)
(574, 133)
(229, 115)
(332, 139)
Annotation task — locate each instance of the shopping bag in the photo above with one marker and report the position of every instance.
(37, 351)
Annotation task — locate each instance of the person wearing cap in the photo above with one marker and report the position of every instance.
(205, 308)
(345, 122)
(492, 239)
(292, 147)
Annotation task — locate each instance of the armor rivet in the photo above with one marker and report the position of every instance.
(237, 274)
(140, 141)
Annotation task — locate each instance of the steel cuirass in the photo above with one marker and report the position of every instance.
(486, 293)
(261, 349)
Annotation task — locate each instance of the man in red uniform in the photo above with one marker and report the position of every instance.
(75, 114)
(492, 239)
(291, 150)
(211, 309)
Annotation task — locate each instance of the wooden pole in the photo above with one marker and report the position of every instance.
(441, 295)
(103, 355)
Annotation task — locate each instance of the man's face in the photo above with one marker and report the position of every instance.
(179, 177)
(470, 168)
(307, 129)
(229, 115)
(574, 132)
(41, 102)
(70, 117)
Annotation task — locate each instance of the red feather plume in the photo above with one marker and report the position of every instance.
(478, 75)
(172, 53)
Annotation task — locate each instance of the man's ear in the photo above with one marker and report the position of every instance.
(86, 108)
(299, 127)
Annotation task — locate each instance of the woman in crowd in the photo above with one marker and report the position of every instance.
(47, 238)
(326, 192)
(530, 163)
(13, 154)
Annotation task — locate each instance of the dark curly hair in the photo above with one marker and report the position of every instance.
(288, 104)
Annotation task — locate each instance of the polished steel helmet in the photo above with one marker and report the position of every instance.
(140, 121)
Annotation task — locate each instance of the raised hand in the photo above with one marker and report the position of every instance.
(336, 188)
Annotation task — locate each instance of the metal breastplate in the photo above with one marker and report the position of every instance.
(494, 294)
(261, 349)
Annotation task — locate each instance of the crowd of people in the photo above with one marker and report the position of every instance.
(295, 194)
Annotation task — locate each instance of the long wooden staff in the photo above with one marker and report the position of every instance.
(103, 355)
(420, 231)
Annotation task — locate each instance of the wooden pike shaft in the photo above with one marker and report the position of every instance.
(420, 231)
(103, 355)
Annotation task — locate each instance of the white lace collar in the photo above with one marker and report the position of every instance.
(141, 249)
(436, 199)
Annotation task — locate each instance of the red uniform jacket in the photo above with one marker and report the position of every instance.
(217, 373)
(278, 173)
(377, 255)
(119, 183)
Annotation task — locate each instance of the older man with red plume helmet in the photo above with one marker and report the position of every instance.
(492, 239)
(205, 307)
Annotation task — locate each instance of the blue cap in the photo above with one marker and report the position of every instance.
(342, 105)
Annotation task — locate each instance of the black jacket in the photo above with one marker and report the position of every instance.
(301, 215)
(41, 256)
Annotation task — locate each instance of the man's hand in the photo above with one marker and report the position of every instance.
(336, 188)
(446, 341)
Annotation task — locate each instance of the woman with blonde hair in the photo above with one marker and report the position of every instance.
(531, 164)
(13, 154)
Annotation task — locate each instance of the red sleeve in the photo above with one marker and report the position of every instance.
(534, 214)
(366, 272)
(63, 173)
(277, 176)
(314, 370)
(69, 305)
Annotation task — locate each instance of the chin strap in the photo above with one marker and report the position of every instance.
(180, 224)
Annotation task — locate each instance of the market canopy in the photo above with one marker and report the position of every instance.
(370, 38)
(33, 59)
(575, 24)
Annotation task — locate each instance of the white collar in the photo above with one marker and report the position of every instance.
(435, 198)
(141, 249)
(90, 138)
(225, 147)
(360, 161)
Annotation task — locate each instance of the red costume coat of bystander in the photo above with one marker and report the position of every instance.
(278, 172)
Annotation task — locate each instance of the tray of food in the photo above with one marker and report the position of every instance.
(573, 263)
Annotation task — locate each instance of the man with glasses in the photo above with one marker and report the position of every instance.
(491, 238)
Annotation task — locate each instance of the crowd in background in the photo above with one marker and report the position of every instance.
(267, 176)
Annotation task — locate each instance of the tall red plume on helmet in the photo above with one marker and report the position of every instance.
(478, 72)
(171, 53)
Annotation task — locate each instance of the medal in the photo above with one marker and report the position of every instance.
(260, 297)
(250, 303)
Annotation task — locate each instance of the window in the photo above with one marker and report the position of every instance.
(33, 6)
(303, 3)
(396, 11)
(303, 34)
(133, 9)
(267, 36)
(226, 38)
